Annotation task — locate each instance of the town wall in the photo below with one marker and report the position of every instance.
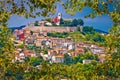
(51, 28)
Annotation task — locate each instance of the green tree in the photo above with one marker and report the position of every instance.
(26, 8)
(31, 32)
(6, 49)
(96, 57)
(88, 29)
(36, 23)
(46, 51)
(48, 19)
(78, 28)
(67, 59)
(80, 22)
(61, 21)
(98, 37)
(68, 23)
(88, 56)
(22, 46)
(77, 59)
(36, 61)
(75, 22)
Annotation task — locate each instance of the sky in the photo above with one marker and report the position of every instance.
(100, 22)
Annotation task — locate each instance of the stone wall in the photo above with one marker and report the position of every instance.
(51, 28)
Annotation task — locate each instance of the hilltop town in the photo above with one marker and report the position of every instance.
(33, 41)
(63, 46)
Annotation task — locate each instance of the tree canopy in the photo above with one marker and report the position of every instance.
(98, 7)
(73, 23)
(27, 8)
(31, 8)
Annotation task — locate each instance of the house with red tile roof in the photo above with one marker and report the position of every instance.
(19, 34)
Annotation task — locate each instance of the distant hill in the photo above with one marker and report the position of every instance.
(13, 28)
(100, 31)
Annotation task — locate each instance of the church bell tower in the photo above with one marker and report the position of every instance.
(59, 15)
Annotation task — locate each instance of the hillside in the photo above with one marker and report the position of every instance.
(20, 27)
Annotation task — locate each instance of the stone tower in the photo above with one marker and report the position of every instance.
(59, 16)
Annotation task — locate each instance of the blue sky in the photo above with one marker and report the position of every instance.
(101, 22)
